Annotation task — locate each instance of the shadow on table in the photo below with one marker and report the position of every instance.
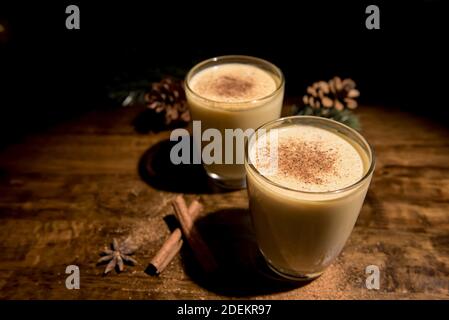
(242, 269)
(156, 169)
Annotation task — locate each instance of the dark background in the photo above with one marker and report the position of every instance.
(49, 73)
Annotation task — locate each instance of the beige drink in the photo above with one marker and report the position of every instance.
(304, 211)
(233, 92)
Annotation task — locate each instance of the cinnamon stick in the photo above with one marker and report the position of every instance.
(167, 252)
(191, 234)
(173, 243)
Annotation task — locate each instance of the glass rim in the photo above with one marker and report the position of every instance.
(330, 192)
(236, 57)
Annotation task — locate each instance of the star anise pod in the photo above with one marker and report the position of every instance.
(167, 98)
(117, 256)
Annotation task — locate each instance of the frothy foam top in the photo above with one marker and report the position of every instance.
(233, 82)
(309, 159)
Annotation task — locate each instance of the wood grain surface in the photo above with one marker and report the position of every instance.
(66, 192)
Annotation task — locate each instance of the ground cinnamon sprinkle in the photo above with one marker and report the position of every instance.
(309, 162)
(232, 86)
(305, 161)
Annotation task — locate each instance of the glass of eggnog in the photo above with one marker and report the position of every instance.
(307, 178)
(233, 93)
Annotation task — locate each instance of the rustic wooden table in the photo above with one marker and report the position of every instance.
(65, 193)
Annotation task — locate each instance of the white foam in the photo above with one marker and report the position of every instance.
(233, 83)
(348, 165)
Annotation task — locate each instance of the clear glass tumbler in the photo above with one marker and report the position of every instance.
(233, 113)
(300, 233)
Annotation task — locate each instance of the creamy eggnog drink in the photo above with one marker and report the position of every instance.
(305, 206)
(233, 92)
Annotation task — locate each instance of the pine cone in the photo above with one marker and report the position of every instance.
(335, 93)
(168, 98)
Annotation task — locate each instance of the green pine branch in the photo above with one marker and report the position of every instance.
(345, 116)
